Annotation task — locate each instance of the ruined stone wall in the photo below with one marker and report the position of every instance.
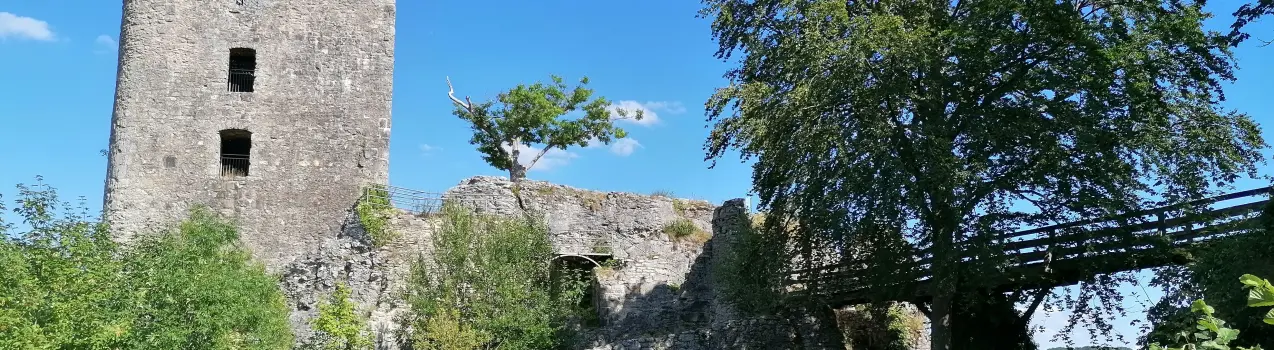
(656, 284)
(659, 283)
(716, 324)
(319, 116)
(657, 293)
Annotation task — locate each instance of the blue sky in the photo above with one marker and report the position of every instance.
(58, 63)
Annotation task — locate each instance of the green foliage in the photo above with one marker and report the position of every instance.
(662, 193)
(679, 206)
(489, 282)
(1259, 294)
(1210, 332)
(339, 326)
(1211, 275)
(196, 288)
(444, 331)
(60, 281)
(680, 228)
(527, 115)
(954, 121)
(750, 272)
(67, 285)
(885, 326)
(374, 212)
(684, 230)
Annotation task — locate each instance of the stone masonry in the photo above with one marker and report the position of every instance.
(319, 115)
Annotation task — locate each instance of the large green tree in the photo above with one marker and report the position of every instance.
(536, 114)
(949, 122)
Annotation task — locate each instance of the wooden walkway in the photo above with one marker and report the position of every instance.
(1057, 255)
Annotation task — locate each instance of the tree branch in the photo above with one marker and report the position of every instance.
(1035, 304)
(546, 149)
(451, 92)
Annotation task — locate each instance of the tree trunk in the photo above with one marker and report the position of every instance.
(940, 321)
(517, 172)
(944, 291)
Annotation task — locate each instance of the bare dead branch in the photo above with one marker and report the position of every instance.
(451, 92)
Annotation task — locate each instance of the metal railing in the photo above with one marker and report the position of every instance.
(418, 202)
(241, 80)
(234, 165)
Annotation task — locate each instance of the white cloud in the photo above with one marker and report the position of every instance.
(12, 25)
(650, 111)
(624, 147)
(553, 159)
(106, 42)
(426, 149)
(669, 107)
(592, 143)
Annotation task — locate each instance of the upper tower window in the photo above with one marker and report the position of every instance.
(243, 67)
(236, 145)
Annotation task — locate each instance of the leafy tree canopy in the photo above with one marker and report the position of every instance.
(529, 115)
(950, 122)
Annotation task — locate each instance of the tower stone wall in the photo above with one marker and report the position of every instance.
(318, 115)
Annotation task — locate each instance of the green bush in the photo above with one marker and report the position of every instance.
(339, 326)
(197, 288)
(685, 230)
(374, 211)
(64, 284)
(1210, 332)
(488, 283)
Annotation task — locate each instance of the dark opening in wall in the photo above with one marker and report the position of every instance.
(236, 145)
(574, 267)
(243, 67)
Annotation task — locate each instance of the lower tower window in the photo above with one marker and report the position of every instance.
(236, 145)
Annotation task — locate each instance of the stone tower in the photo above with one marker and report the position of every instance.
(272, 112)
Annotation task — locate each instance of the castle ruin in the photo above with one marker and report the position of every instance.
(276, 114)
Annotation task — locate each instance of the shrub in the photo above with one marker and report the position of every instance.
(488, 283)
(67, 285)
(339, 326)
(374, 211)
(683, 229)
(196, 288)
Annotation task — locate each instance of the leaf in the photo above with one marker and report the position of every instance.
(1262, 295)
(1269, 317)
(1251, 281)
(1200, 306)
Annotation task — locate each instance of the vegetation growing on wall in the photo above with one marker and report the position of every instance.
(529, 115)
(488, 283)
(750, 271)
(374, 211)
(66, 285)
(339, 326)
(682, 229)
